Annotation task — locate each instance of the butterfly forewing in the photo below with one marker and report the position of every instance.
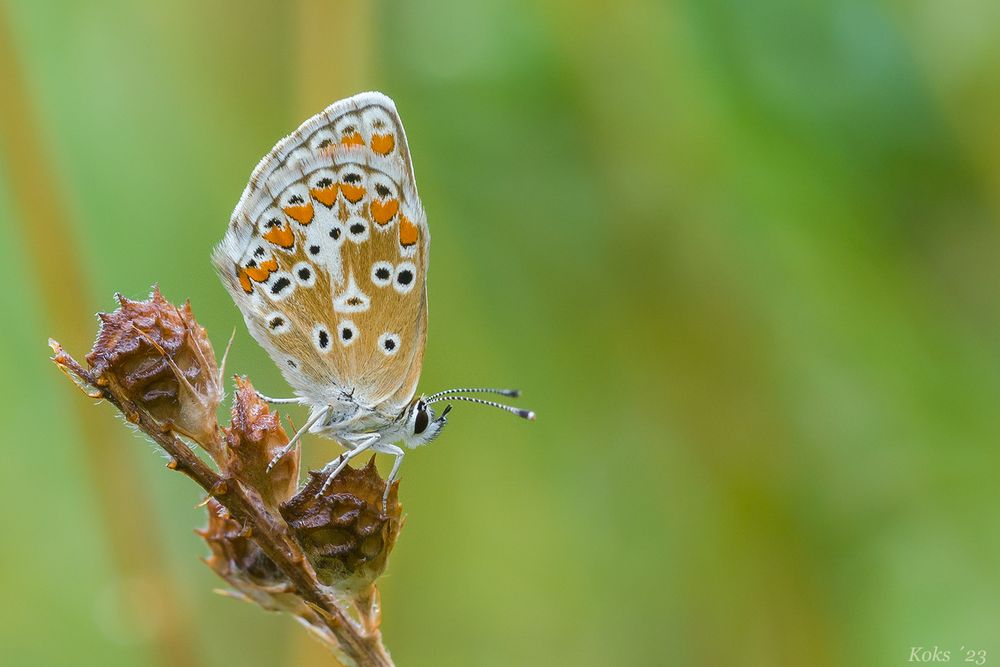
(326, 256)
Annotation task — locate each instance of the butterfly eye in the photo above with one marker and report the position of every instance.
(406, 277)
(422, 420)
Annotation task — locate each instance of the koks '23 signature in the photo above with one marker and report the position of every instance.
(938, 654)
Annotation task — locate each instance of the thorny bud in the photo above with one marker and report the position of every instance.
(235, 557)
(343, 532)
(253, 576)
(157, 356)
(254, 436)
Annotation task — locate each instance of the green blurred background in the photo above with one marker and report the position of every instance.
(742, 258)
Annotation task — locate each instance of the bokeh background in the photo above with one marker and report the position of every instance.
(742, 258)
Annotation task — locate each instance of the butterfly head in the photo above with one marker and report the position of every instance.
(421, 424)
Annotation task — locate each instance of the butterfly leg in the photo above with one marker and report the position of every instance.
(398, 453)
(277, 401)
(364, 442)
(295, 438)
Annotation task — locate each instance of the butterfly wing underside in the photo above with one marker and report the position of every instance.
(326, 256)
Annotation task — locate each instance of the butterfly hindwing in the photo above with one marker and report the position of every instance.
(326, 256)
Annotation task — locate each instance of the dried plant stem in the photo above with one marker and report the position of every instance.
(354, 643)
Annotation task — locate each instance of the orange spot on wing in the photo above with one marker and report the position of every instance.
(383, 143)
(325, 196)
(352, 139)
(302, 214)
(260, 272)
(281, 236)
(383, 212)
(408, 232)
(354, 193)
(244, 280)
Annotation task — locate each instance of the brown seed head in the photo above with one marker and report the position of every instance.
(155, 355)
(253, 438)
(344, 533)
(234, 555)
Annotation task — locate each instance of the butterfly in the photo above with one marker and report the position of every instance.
(326, 256)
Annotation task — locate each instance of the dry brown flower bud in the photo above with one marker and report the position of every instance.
(254, 436)
(344, 533)
(159, 358)
(235, 557)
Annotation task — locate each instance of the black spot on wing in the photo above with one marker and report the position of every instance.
(280, 285)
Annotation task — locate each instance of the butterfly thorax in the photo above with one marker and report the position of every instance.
(345, 423)
(346, 418)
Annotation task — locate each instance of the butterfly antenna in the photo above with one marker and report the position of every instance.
(510, 393)
(525, 414)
